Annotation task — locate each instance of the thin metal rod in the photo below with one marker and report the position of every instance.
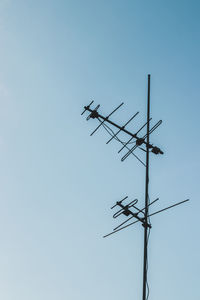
(107, 129)
(123, 127)
(120, 229)
(143, 138)
(146, 198)
(132, 137)
(107, 118)
(124, 223)
(119, 202)
(157, 212)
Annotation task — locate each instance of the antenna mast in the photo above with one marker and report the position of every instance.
(146, 228)
(141, 215)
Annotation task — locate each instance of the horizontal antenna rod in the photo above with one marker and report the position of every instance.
(157, 212)
(119, 202)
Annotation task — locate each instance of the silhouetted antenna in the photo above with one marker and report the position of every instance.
(130, 210)
(141, 219)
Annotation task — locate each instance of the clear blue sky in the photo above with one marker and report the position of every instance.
(58, 183)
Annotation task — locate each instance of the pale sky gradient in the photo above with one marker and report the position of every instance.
(58, 183)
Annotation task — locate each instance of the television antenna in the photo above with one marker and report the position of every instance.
(130, 210)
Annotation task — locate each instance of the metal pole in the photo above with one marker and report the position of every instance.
(146, 197)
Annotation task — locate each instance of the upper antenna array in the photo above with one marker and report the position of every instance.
(133, 137)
